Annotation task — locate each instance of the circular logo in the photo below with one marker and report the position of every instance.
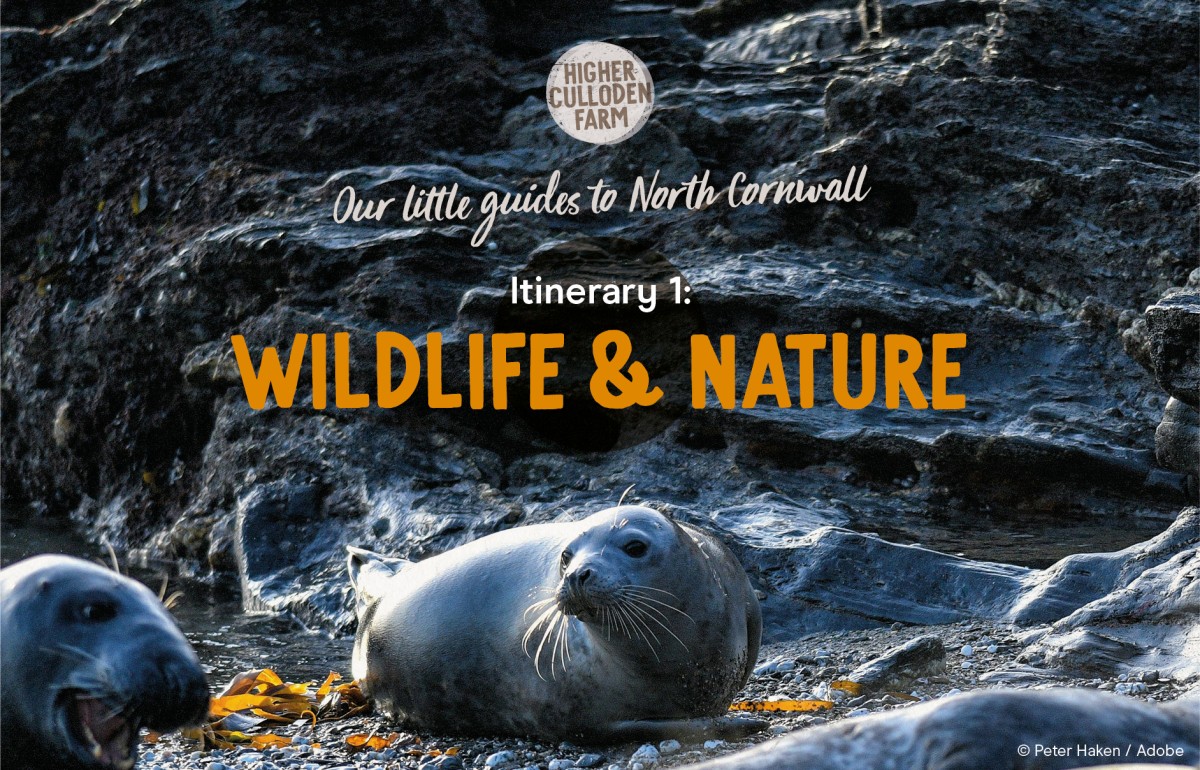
(600, 93)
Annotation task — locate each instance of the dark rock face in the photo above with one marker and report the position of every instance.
(168, 176)
(1173, 327)
(41, 13)
(1109, 42)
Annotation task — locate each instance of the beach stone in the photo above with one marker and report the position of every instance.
(646, 754)
(923, 656)
(500, 759)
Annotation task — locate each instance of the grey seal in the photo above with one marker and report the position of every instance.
(88, 658)
(623, 626)
(990, 730)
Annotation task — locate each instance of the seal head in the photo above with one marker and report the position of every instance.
(89, 657)
(606, 572)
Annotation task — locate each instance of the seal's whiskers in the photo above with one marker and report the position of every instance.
(639, 628)
(652, 588)
(620, 620)
(545, 616)
(637, 591)
(566, 640)
(637, 616)
(534, 625)
(536, 606)
(555, 626)
(646, 609)
(561, 645)
(537, 655)
(636, 610)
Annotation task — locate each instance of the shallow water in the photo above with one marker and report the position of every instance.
(1036, 542)
(227, 639)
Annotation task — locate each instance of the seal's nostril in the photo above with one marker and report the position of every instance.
(584, 575)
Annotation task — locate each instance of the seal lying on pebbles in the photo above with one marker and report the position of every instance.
(89, 657)
(990, 730)
(623, 626)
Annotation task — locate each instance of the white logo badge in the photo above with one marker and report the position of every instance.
(600, 93)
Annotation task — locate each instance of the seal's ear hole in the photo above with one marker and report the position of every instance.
(635, 548)
(98, 611)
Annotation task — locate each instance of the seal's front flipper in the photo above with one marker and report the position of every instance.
(369, 572)
(701, 728)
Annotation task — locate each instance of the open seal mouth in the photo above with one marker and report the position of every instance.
(107, 736)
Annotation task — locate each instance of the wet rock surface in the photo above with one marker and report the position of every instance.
(1145, 621)
(168, 175)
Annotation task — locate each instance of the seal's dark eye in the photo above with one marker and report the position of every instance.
(98, 611)
(565, 559)
(635, 548)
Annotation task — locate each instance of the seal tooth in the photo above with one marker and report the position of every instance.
(94, 748)
(121, 740)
